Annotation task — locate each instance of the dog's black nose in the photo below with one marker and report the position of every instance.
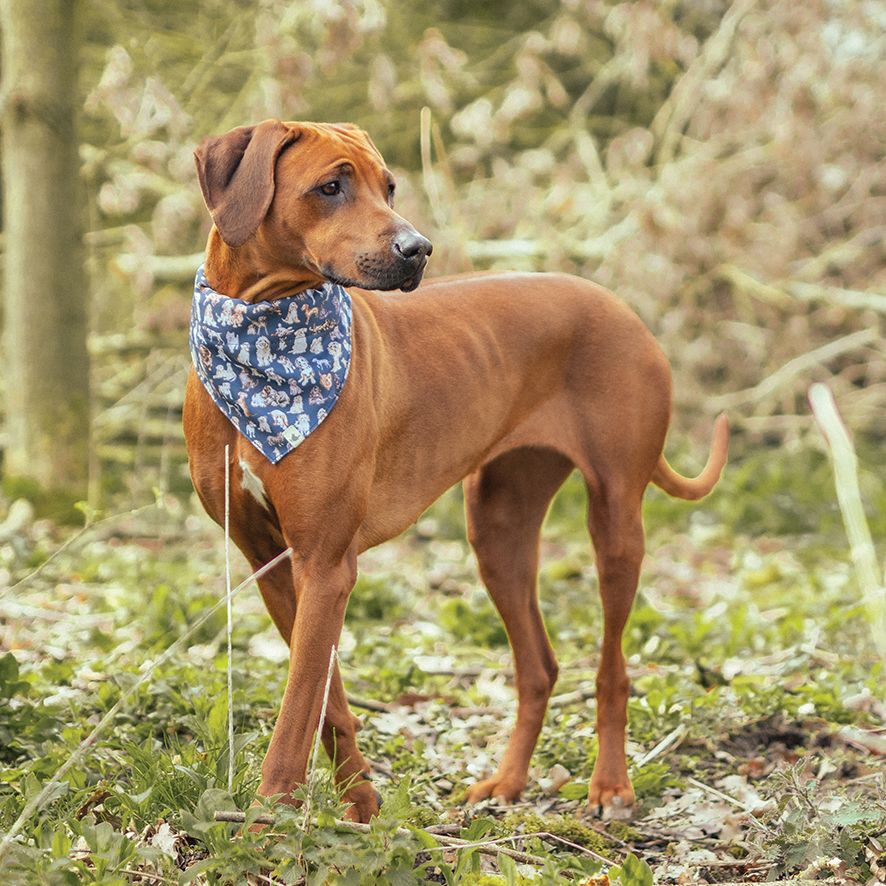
(409, 244)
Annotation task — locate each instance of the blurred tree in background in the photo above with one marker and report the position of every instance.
(716, 164)
(46, 365)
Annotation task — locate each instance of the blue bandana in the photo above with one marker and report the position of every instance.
(274, 368)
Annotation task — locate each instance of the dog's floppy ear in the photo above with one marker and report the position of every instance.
(236, 172)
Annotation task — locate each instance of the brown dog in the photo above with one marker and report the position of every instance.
(507, 381)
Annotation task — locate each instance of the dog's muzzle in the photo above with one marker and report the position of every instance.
(412, 251)
(401, 266)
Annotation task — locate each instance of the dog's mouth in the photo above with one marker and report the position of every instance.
(414, 279)
(384, 279)
(339, 280)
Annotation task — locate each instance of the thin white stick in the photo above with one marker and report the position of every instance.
(752, 819)
(310, 781)
(75, 537)
(37, 801)
(230, 628)
(861, 545)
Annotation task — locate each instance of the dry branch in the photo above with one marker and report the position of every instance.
(676, 112)
(787, 373)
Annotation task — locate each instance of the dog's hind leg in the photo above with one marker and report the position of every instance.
(616, 528)
(506, 502)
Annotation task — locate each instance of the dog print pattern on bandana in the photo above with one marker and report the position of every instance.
(274, 368)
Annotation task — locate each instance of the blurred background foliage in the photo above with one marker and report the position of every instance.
(717, 165)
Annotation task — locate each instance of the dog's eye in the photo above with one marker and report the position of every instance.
(391, 188)
(330, 189)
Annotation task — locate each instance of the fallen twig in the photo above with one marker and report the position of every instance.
(672, 739)
(860, 738)
(148, 875)
(730, 863)
(574, 697)
(487, 847)
(368, 704)
(729, 799)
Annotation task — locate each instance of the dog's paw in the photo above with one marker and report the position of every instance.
(499, 786)
(611, 801)
(365, 802)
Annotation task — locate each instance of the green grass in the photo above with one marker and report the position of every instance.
(747, 645)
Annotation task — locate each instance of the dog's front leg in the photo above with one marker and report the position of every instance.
(322, 591)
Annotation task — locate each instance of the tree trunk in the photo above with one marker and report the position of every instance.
(45, 367)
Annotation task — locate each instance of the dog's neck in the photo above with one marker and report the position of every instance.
(242, 273)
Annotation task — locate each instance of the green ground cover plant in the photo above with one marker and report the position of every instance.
(755, 719)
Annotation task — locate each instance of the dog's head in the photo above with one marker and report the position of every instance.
(315, 197)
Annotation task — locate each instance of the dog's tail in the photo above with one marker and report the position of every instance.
(692, 488)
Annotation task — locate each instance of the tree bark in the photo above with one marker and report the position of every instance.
(45, 368)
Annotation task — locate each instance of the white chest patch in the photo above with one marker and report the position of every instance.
(252, 484)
